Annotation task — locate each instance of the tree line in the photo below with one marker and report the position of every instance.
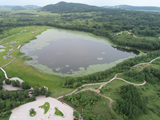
(125, 66)
(104, 22)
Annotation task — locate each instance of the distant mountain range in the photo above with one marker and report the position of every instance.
(136, 8)
(20, 7)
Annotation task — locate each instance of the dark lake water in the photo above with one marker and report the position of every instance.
(64, 51)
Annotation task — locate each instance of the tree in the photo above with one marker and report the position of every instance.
(75, 103)
(14, 104)
(26, 85)
(48, 93)
(1, 87)
(16, 83)
(31, 111)
(7, 81)
(8, 112)
(43, 90)
(2, 104)
(74, 84)
(8, 104)
(76, 114)
(36, 91)
(100, 117)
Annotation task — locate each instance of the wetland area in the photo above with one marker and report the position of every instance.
(65, 52)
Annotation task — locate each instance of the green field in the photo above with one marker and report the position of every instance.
(27, 73)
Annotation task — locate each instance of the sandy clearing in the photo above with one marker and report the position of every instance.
(22, 112)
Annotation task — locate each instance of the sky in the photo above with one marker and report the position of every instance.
(89, 2)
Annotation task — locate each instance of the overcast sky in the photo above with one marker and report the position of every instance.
(90, 2)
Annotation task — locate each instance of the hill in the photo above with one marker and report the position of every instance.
(19, 7)
(136, 8)
(32, 6)
(63, 7)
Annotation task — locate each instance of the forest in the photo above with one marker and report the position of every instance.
(98, 21)
(131, 105)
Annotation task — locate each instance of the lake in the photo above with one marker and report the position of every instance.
(65, 52)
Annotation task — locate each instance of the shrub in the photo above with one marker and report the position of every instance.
(1, 87)
(32, 112)
(42, 91)
(48, 93)
(33, 98)
(16, 83)
(8, 112)
(1, 82)
(7, 81)
(26, 85)
(76, 114)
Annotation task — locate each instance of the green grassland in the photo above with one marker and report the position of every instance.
(27, 73)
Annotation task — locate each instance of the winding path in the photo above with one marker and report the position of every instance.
(104, 83)
(75, 91)
(5, 74)
(8, 55)
(147, 63)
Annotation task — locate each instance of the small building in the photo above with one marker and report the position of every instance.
(147, 65)
(98, 91)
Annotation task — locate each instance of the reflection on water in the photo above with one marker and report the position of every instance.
(71, 52)
(127, 50)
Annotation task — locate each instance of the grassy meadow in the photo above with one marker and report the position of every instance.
(27, 73)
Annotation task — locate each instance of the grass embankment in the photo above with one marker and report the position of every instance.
(27, 73)
(58, 112)
(46, 107)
